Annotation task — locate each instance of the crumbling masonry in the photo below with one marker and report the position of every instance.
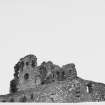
(50, 83)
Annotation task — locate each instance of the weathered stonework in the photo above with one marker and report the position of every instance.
(50, 83)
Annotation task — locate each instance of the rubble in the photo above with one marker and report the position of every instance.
(49, 82)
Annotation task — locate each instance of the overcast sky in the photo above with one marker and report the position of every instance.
(63, 31)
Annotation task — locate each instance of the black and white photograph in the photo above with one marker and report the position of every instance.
(52, 51)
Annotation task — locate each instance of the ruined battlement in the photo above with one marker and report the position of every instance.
(29, 75)
(49, 82)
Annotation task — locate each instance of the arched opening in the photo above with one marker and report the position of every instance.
(26, 76)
